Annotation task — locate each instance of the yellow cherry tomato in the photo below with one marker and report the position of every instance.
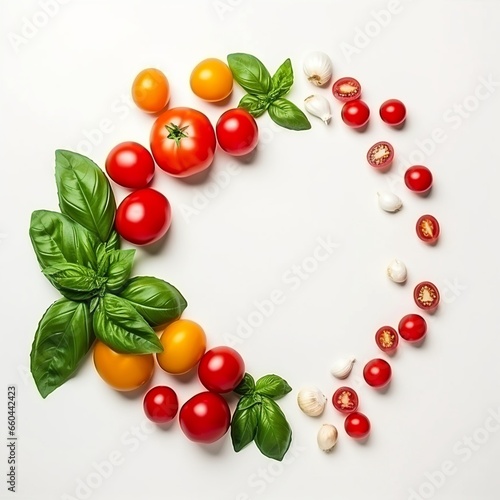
(184, 343)
(151, 90)
(212, 80)
(123, 372)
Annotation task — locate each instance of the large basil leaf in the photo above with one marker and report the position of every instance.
(63, 338)
(282, 80)
(250, 73)
(57, 240)
(84, 193)
(157, 301)
(122, 328)
(118, 268)
(272, 386)
(246, 386)
(287, 115)
(253, 104)
(244, 426)
(274, 435)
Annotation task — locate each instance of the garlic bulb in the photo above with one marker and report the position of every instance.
(318, 106)
(342, 367)
(318, 68)
(327, 437)
(311, 401)
(389, 201)
(396, 271)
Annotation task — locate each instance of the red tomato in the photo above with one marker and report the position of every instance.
(143, 217)
(377, 373)
(426, 296)
(356, 113)
(393, 112)
(183, 142)
(345, 400)
(412, 327)
(428, 229)
(387, 339)
(418, 179)
(161, 404)
(131, 165)
(357, 425)
(346, 89)
(221, 369)
(237, 132)
(380, 155)
(205, 417)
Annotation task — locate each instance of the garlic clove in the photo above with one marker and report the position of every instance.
(396, 270)
(318, 106)
(318, 68)
(389, 201)
(327, 437)
(311, 401)
(342, 367)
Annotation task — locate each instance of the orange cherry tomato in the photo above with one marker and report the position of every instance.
(151, 90)
(212, 80)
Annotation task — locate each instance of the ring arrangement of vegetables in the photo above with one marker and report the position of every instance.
(133, 324)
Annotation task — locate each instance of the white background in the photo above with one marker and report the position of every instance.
(69, 75)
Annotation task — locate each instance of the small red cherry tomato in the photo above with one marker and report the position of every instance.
(426, 296)
(143, 217)
(418, 179)
(356, 113)
(345, 400)
(221, 369)
(387, 339)
(131, 165)
(357, 425)
(412, 327)
(380, 155)
(428, 229)
(393, 112)
(205, 417)
(346, 89)
(237, 132)
(161, 404)
(377, 373)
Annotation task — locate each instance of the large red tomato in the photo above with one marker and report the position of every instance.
(183, 142)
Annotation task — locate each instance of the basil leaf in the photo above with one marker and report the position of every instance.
(157, 301)
(274, 434)
(250, 73)
(63, 338)
(244, 426)
(282, 80)
(113, 242)
(272, 386)
(246, 386)
(287, 115)
(94, 303)
(122, 328)
(248, 401)
(253, 104)
(118, 268)
(74, 281)
(57, 239)
(84, 193)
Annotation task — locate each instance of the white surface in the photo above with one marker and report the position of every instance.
(300, 187)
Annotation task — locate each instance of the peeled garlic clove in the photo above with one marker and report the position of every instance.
(396, 271)
(311, 401)
(318, 106)
(389, 201)
(318, 68)
(327, 437)
(342, 368)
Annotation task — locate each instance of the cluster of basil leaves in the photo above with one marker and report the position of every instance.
(78, 251)
(259, 418)
(266, 93)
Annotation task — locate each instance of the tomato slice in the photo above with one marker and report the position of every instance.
(346, 89)
(426, 296)
(345, 400)
(428, 229)
(380, 155)
(387, 339)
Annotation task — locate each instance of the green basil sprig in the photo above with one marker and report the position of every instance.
(78, 252)
(266, 93)
(259, 418)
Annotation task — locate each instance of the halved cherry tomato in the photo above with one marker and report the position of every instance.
(387, 339)
(212, 80)
(377, 373)
(357, 425)
(426, 296)
(346, 89)
(151, 90)
(161, 404)
(428, 229)
(356, 113)
(412, 328)
(380, 155)
(345, 400)
(418, 179)
(393, 112)
(183, 142)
